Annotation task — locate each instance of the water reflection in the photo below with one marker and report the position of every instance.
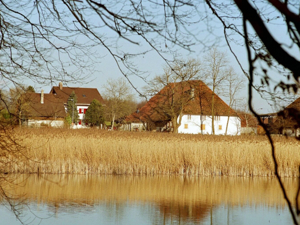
(152, 200)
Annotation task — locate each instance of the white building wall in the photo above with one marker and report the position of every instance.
(133, 127)
(191, 124)
(50, 123)
(81, 109)
(81, 114)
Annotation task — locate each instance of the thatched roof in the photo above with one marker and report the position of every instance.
(178, 95)
(294, 105)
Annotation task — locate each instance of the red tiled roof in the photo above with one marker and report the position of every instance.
(52, 107)
(84, 95)
(156, 109)
(294, 105)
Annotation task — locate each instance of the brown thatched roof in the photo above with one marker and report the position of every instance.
(201, 104)
(294, 105)
(84, 95)
(52, 107)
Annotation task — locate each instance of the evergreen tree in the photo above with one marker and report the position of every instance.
(72, 108)
(94, 114)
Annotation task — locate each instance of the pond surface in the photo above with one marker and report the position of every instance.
(105, 200)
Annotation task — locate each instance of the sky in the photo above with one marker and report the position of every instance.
(103, 67)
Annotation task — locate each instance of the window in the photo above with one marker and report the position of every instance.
(220, 127)
(217, 118)
(202, 126)
(85, 111)
(189, 117)
(80, 110)
(186, 126)
(84, 95)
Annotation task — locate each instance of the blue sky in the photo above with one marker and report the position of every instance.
(208, 32)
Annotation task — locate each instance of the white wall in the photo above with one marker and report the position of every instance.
(191, 124)
(51, 123)
(133, 127)
(80, 116)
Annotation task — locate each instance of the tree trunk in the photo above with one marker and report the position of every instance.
(20, 119)
(213, 113)
(113, 122)
(175, 125)
(227, 125)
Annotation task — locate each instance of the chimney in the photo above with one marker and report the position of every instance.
(60, 85)
(42, 97)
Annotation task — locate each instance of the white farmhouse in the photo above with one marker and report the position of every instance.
(191, 104)
(193, 124)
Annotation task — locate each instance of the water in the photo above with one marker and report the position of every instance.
(147, 200)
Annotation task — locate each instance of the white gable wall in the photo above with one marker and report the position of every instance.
(50, 123)
(81, 109)
(191, 124)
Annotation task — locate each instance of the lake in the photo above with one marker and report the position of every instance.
(79, 199)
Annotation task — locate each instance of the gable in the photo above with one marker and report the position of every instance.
(195, 96)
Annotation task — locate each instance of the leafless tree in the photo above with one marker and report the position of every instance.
(50, 41)
(173, 90)
(215, 77)
(234, 84)
(266, 51)
(119, 100)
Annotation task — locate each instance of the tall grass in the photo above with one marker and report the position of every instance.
(95, 151)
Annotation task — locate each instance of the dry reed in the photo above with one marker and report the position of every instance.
(93, 151)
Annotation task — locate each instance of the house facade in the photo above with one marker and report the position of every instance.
(196, 124)
(190, 104)
(51, 109)
(84, 97)
(40, 109)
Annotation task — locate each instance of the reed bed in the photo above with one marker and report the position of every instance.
(93, 151)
